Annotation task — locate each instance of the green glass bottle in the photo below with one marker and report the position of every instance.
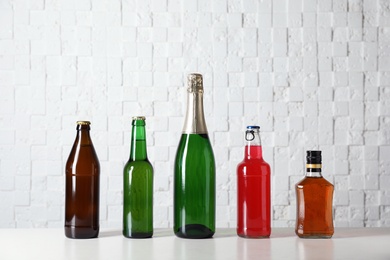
(194, 176)
(138, 186)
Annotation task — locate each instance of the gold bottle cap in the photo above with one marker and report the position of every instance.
(138, 118)
(83, 122)
(195, 82)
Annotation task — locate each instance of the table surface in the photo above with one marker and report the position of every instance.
(347, 243)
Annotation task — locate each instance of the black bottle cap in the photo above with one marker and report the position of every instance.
(313, 157)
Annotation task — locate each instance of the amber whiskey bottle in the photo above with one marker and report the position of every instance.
(314, 201)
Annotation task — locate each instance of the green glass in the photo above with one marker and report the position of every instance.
(194, 187)
(138, 186)
(194, 176)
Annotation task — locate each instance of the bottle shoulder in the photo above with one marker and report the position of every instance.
(257, 161)
(253, 167)
(83, 154)
(143, 167)
(196, 144)
(311, 181)
(196, 138)
(143, 163)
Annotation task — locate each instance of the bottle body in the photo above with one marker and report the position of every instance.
(314, 196)
(194, 171)
(82, 181)
(253, 193)
(138, 187)
(194, 187)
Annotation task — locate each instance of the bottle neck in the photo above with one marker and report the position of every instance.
(195, 122)
(253, 152)
(83, 137)
(253, 149)
(138, 141)
(313, 170)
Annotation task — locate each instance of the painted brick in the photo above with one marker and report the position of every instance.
(311, 73)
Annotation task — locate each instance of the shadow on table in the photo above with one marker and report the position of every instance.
(340, 233)
(163, 233)
(116, 233)
(110, 233)
(275, 233)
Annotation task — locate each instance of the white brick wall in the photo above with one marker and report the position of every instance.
(313, 74)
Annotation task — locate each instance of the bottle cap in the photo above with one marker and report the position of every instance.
(83, 122)
(313, 157)
(253, 127)
(250, 132)
(195, 82)
(138, 118)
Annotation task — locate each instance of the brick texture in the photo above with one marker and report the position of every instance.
(314, 74)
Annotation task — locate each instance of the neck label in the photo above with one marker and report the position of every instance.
(313, 166)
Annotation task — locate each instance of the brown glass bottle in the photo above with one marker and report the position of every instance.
(82, 187)
(314, 201)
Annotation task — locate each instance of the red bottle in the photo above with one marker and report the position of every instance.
(253, 189)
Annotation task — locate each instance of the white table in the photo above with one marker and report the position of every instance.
(347, 243)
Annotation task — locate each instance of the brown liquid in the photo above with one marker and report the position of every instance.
(82, 188)
(314, 208)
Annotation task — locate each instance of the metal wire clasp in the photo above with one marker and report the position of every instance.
(249, 135)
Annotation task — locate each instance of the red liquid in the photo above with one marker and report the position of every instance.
(254, 195)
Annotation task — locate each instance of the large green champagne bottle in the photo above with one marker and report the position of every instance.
(138, 186)
(194, 177)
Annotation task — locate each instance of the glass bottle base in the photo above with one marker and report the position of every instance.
(252, 237)
(81, 232)
(137, 234)
(253, 232)
(314, 235)
(195, 231)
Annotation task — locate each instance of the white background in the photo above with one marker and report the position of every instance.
(314, 74)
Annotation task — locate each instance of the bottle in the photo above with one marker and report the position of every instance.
(253, 189)
(82, 187)
(138, 186)
(314, 201)
(194, 171)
